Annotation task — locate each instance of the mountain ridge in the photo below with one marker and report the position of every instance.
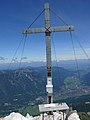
(27, 85)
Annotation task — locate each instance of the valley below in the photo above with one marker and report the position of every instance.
(24, 89)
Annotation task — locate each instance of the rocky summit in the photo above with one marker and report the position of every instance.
(55, 116)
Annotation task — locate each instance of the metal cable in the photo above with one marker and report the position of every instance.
(35, 19)
(54, 51)
(24, 42)
(58, 70)
(26, 37)
(74, 54)
(71, 35)
(15, 53)
(59, 17)
(83, 49)
(22, 50)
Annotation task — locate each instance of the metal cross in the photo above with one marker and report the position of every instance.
(47, 30)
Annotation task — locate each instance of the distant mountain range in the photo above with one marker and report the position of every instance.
(27, 86)
(67, 64)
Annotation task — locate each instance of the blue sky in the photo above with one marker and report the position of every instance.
(15, 15)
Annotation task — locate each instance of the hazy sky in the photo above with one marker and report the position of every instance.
(15, 15)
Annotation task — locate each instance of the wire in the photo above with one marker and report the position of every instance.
(35, 19)
(71, 37)
(23, 50)
(59, 17)
(74, 54)
(15, 53)
(26, 37)
(54, 51)
(83, 49)
(24, 43)
(58, 70)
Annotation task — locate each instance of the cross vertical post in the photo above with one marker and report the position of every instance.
(49, 86)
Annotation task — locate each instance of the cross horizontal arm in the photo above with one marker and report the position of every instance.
(62, 29)
(34, 30)
(51, 29)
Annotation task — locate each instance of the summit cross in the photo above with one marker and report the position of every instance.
(47, 30)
